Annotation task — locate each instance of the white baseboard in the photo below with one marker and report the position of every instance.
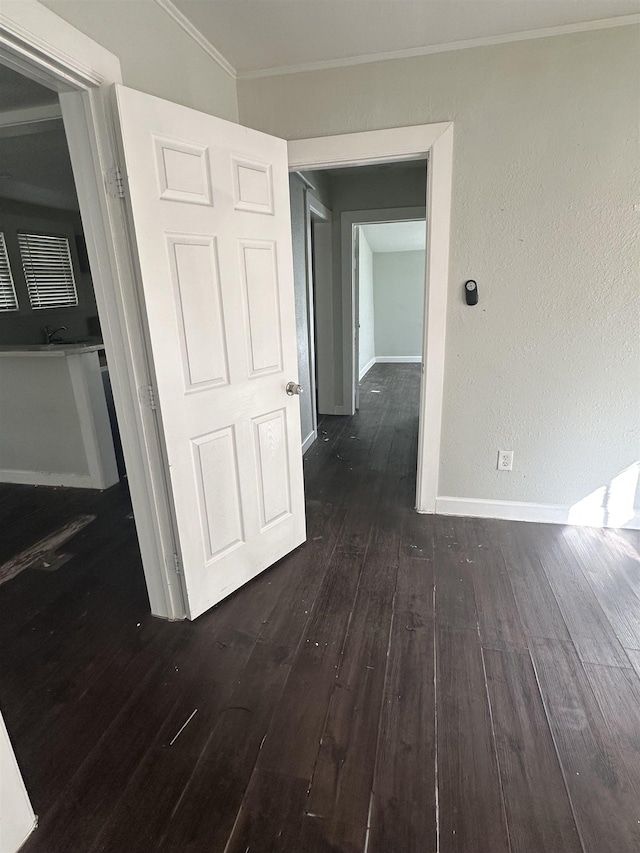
(367, 368)
(398, 359)
(46, 478)
(523, 511)
(306, 444)
(336, 410)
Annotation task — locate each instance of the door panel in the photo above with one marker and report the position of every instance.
(210, 210)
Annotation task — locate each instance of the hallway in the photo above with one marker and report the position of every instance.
(397, 678)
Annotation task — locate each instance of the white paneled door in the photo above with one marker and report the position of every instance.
(210, 208)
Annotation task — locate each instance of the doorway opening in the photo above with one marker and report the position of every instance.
(60, 445)
(388, 263)
(359, 241)
(395, 145)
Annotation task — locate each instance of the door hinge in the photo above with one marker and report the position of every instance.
(177, 566)
(147, 396)
(114, 182)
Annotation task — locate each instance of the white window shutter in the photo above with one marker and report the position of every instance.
(8, 298)
(48, 270)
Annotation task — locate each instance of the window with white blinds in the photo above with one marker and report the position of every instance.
(48, 270)
(8, 299)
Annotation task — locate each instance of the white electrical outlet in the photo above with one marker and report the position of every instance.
(505, 460)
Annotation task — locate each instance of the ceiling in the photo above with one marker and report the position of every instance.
(18, 91)
(264, 35)
(374, 169)
(385, 237)
(34, 166)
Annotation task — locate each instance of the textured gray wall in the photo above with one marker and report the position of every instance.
(156, 55)
(398, 287)
(545, 179)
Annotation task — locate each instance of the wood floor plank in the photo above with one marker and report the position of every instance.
(403, 812)
(539, 814)
(618, 693)
(454, 590)
(634, 658)
(616, 589)
(205, 814)
(605, 804)
(296, 746)
(498, 615)
(540, 614)
(106, 769)
(471, 811)
(340, 789)
(303, 704)
(589, 628)
(213, 794)
(271, 816)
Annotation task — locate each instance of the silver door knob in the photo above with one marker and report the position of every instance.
(293, 388)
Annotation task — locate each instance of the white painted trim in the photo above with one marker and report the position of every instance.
(193, 32)
(46, 478)
(435, 142)
(305, 181)
(30, 115)
(439, 187)
(17, 820)
(306, 444)
(398, 359)
(389, 359)
(390, 145)
(318, 209)
(517, 511)
(349, 220)
(38, 43)
(367, 368)
(311, 205)
(427, 50)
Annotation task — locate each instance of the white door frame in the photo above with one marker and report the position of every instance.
(41, 45)
(316, 212)
(435, 143)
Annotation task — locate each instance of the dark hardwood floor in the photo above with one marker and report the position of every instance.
(399, 684)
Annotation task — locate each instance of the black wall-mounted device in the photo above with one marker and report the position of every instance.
(471, 292)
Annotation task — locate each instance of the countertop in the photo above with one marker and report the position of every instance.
(61, 350)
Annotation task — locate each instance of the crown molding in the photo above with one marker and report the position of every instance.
(525, 35)
(193, 32)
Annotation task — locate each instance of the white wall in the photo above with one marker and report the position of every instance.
(156, 55)
(367, 331)
(398, 288)
(545, 182)
(54, 422)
